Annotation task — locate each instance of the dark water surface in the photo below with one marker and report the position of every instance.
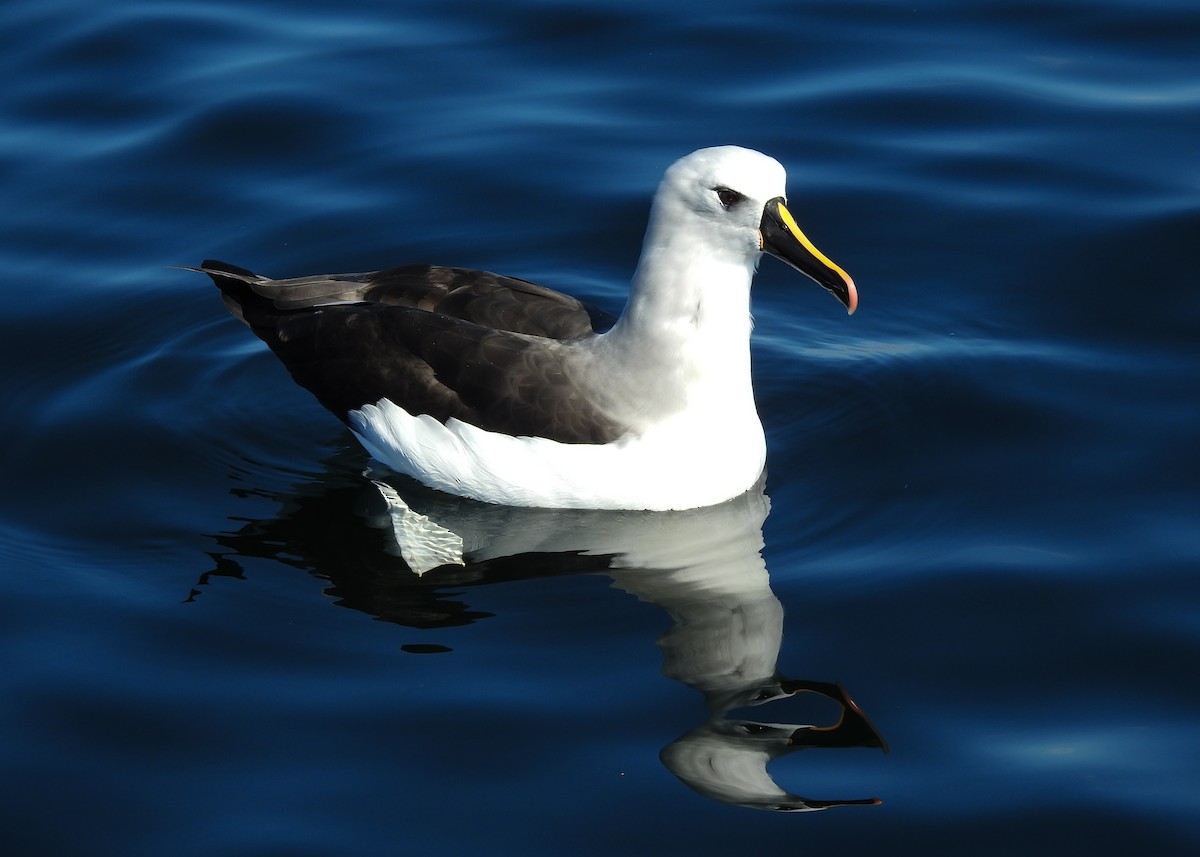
(983, 488)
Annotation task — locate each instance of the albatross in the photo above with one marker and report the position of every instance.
(501, 390)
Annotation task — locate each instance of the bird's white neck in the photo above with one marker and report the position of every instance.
(687, 304)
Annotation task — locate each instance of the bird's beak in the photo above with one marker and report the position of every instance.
(779, 235)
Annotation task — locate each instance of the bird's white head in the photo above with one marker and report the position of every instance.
(729, 202)
(716, 197)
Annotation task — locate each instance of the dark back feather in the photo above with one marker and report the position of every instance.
(447, 342)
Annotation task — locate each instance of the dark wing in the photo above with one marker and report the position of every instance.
(394, 338)
(491, 300)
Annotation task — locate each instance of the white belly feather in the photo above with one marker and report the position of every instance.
(700, 457)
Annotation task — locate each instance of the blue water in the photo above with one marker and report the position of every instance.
(984, 488)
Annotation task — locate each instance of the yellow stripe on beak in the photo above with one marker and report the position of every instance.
(790, 223)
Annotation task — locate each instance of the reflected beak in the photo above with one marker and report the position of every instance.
(781, 237)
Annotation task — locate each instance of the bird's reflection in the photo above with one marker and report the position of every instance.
(703, 567)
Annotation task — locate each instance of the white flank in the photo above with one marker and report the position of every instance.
(661, 469)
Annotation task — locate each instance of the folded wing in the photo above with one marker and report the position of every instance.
(481, 348)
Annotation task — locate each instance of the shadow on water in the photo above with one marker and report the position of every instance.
(404, 554)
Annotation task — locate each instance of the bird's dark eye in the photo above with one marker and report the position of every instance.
(729, 198)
